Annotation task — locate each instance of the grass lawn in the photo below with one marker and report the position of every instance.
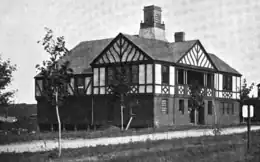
(110, 132)
(228, 148)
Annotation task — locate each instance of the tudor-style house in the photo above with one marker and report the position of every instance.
(158, 74)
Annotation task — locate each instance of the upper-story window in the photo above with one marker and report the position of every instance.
(134, 74)
(180, 73)
(80, 84)
(125, 73)
(227, 82)
(110, 75)
(165, 74)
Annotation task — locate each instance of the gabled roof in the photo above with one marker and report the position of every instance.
(85, 52)
(222, 66)
(161, 50)
(81, 56)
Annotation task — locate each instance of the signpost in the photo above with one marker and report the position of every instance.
(248, 112)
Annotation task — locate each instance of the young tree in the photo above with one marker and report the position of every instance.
(6, 77)
(121, 86)
(55, 72)
(244, 93)
(197, 98)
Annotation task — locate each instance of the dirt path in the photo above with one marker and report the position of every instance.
(37, 146)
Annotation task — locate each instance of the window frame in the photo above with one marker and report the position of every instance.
(227, 82)
(134, 75)
(165, 74)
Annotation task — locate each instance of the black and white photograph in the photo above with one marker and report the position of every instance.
(130, 80)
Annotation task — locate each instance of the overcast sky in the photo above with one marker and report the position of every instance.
(228, 28)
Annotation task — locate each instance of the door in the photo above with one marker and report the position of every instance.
(201, 115)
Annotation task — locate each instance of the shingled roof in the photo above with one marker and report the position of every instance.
(85, 52)
(222, 65)
(161, 50)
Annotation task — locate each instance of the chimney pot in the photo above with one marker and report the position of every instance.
(179, 36)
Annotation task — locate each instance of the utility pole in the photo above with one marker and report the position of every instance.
(248, 127)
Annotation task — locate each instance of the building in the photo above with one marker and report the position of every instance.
(158, 73)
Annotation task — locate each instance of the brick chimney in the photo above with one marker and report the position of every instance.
(152, 27)
(179, 36)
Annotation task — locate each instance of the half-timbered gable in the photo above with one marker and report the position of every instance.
(197, 56)
(122, 54)
(121, 50)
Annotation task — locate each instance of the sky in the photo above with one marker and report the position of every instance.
(228, 28)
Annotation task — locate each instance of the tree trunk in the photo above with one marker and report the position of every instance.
(122, 112)
(59, 124)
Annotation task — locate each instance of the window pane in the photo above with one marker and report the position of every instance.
(165, 74)
(134, 71)
(110, 75)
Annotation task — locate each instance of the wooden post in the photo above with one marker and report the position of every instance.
(248, 127)
(122, 111)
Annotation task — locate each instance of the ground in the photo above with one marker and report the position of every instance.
(231, 148)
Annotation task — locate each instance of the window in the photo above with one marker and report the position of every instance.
(210, 107)
(226, 108)
(227, 82)
(80, 81)
(210, 81)
(134, 74)
(110, 75)
(165, 74)
(181, 106)
(180, 73)
(164, 106)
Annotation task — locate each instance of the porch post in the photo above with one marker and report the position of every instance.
(185, 77)
(205, 79)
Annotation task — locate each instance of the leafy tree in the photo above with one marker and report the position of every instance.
(55, 73)
(197, 98)
(245, 90)
(244, 93)
(121, 86)
(6, 77)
